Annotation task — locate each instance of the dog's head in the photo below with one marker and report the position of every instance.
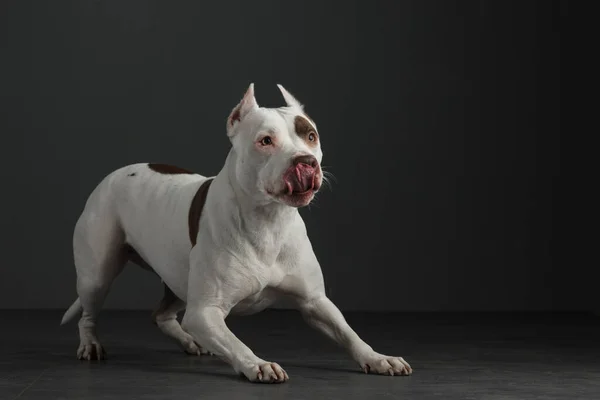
(277, 151)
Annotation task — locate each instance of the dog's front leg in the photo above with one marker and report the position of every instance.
(323, 315)
(218, 281)
(207, 326)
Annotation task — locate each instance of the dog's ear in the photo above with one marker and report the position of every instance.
(244, 107)
(289, 99)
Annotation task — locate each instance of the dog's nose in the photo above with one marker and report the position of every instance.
(307, 160)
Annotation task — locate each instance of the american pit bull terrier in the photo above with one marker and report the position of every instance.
(228, 244)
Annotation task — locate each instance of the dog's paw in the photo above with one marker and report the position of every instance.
(386, 365)
(91, 351)
(266, 372)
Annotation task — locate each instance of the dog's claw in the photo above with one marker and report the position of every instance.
(386, 365)
(267, 373)
(91, 351)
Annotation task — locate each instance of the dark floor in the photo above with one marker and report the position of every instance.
(454, 356)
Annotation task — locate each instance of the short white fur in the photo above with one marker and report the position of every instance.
(251, 248)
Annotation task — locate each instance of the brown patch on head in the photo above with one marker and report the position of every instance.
(196, 210)
(309, 118)
(305, 130)
(168, 169)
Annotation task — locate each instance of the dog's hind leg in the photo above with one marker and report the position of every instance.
(98, 247)
(165, 318)
(165, 315)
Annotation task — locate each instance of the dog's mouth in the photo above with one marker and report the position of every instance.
(300, 179)
(301, 182)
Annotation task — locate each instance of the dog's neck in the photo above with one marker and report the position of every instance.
(256, 213)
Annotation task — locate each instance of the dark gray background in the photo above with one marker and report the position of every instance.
(440, 119)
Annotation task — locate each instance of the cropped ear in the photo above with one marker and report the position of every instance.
(289, 99)
(244, 107)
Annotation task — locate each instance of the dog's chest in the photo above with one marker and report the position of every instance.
(255, 303)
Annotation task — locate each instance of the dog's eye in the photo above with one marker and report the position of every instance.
(266, 141)
(312, 137)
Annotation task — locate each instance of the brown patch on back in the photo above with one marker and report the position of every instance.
(196, 210)
(304, 128)
(168, 169)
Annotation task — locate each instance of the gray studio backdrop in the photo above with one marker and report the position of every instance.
(439, 119)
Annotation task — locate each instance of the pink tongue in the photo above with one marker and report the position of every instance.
(301, 178)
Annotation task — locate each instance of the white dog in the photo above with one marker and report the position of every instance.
(229, 244)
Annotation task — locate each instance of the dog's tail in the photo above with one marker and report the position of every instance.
(71, 312)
